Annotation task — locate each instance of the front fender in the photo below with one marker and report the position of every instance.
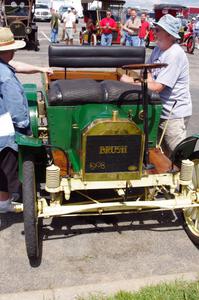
(184, 149)
(27, 141)
(31, 94)
(27, 145)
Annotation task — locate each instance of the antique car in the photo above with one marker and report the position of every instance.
(96, 16)
(18, 15)
(172, 9)
(93, 149)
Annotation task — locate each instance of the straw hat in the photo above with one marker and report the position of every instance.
(7, 41)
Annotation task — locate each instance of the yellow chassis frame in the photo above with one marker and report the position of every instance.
(184, 199)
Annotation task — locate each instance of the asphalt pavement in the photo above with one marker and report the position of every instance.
(87, 251)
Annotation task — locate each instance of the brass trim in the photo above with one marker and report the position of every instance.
(109, 127)
(141, 115)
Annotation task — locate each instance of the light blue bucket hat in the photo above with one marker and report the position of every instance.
(170, 24)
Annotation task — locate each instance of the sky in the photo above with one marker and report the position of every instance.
(149, 3)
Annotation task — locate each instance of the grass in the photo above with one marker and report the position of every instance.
(179, 290)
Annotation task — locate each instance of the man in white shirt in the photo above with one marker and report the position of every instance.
(69, 25)
(171, 82)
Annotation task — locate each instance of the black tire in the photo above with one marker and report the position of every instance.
(30, 209)
(191, 215)
(36, 49)
(190, 45)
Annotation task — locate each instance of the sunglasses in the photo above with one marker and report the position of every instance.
(158, 29)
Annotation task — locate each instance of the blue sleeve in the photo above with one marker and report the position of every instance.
(15, 102)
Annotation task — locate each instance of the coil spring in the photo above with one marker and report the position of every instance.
(186, 171)
(52, 177)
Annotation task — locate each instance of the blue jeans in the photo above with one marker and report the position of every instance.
(132, 40)
(142, 42)
(124, 37)
(54, 35)
(106, 39)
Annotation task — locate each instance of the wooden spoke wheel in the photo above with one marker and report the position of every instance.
(191, 215)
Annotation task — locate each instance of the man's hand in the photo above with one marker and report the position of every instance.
(127, 79)
(47, 70)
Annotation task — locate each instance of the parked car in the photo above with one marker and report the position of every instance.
(18, 15)
(42, 12)
(93, 149)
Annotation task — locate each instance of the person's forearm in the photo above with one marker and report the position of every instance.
(24, 68)
(155, 86)
(136, 28)
(21, 67)
(125, 28)
(152, 84)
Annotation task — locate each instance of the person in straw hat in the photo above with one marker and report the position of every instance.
(14, 115)
(171, 82)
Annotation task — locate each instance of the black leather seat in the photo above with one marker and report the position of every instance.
(84, 91)
(94, 56)
(120, 91)
(75, 92)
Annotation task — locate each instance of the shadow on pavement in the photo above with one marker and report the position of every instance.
(68, 227)
(8, 219)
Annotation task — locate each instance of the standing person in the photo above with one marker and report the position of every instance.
(191, 24)
(107, 26)
(144, 29)
(124, 33)
(54, 26)
(132, 27)
(182, 26)
(196, 31)
(14, 117)
(69, 25)
(172, 82)
(76, 16)
(90, 27)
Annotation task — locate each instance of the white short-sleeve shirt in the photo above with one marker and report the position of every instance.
(175, 77)
(69, 19)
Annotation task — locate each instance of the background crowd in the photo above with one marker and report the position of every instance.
(134, 29)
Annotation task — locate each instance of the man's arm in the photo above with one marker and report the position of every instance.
(125, 27)
(24, 68)
(14, 103)
(101, 24)
(113, 26)
(152, 84)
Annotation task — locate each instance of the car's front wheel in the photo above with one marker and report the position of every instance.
(191, 215)
(30, 208)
